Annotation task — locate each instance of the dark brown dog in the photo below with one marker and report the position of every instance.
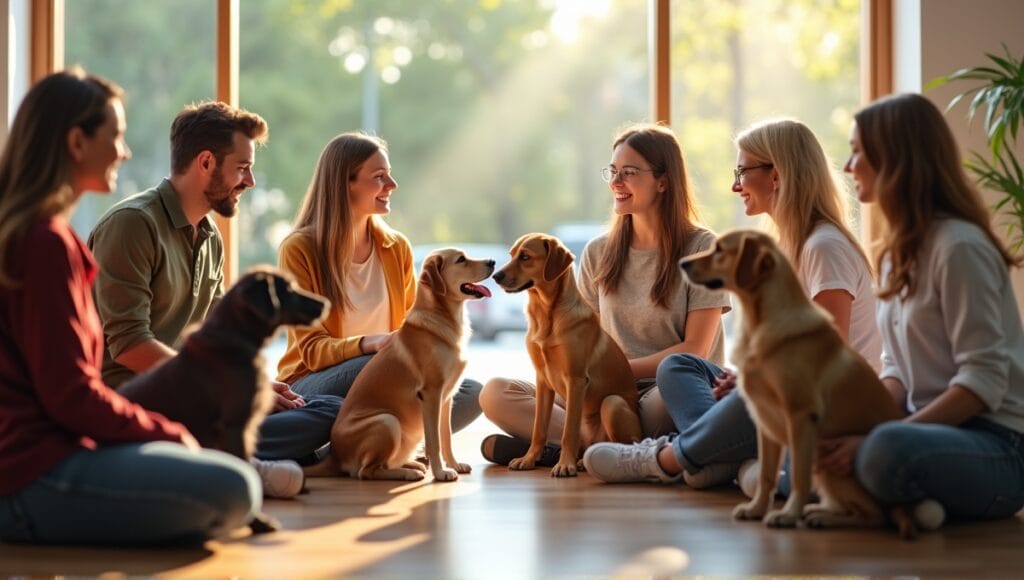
(800, 380)
(572, 355)
(216, 385)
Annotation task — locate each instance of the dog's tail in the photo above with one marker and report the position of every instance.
(328, 467)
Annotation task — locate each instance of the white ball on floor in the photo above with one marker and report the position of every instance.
(929, 515)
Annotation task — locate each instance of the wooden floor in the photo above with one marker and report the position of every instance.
(495, 523)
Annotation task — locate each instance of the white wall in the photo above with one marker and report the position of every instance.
(932, 38)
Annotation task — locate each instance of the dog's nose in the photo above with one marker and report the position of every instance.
(685, 264)
(499, 276)
(490, 263)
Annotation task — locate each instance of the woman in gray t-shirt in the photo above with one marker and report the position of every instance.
(632, 279)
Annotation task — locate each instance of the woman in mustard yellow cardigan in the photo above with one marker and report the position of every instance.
(342, 249)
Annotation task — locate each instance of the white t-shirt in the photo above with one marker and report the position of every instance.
(829, 261)
(367, 291)
(961, 327)
(638, 324)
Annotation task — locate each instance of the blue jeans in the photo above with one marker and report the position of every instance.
(709, 431)
(337, 380)
(299, 433)
(133, 494)
(975, 470)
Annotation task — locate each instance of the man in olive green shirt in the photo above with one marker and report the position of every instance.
(161, 263)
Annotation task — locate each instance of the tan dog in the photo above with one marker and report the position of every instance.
(405, 392)
(800, 380)
(572, 354)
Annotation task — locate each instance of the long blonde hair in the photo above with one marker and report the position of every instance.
(919, 178)
(810, 192)
(36, 165)
(659, 146)
(326, 216)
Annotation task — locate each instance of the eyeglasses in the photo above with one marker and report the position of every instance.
(740, 170)
(627, 173)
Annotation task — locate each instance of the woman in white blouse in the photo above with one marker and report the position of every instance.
(953, 349)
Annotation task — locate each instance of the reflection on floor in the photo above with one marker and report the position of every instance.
(496, 523)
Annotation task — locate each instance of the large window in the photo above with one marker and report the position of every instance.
(498, 114)
(735, 62)
(162, 53)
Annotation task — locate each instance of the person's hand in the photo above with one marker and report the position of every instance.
(836, 455)
(725, 383)
(372, 343)
(285, 398)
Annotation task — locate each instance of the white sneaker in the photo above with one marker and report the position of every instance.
(627, 462)
(281, 479)
(711, 475)
(747, 477)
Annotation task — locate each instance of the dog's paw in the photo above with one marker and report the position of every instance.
(522, 464)
(564, 470)
(748, 511)
(445, 475)
(421, 467)
(462, 467)
(781, 519)
(412, 474)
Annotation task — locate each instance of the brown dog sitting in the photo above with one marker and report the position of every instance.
(405, 392)
(800, 380)
(572, 355)
(216, 385)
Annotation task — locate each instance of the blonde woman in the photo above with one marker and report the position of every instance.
(950, 324)
(781, 172)
(342, 249)
(632, 279)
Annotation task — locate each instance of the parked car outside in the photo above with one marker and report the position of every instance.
(575, 236)
(488, 316)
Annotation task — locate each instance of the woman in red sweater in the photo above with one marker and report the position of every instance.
(78, 462)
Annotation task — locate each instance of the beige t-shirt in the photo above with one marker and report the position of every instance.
(637, 324)
(368, 293)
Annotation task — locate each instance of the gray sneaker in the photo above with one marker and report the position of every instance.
(627, 462)
(281, 479)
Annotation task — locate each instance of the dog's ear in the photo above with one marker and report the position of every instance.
(753, 264)
(558, 260)
(431, 275)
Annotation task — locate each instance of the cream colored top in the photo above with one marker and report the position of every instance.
(367, 291)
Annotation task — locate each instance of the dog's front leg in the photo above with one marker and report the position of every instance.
(770, 454)
(430, 404)
(576, 389)
(541, 417)
(803, 434)
(446, 431)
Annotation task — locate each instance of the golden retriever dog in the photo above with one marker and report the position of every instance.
(216, 385)
(800, 380)
(572, 355)
(404, 394)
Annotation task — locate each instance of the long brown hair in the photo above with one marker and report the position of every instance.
(810, 192)
(920, 178)
(36, 165)
(326, 216)
(679, 217)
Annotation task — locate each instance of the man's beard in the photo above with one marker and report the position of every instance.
(218, 195)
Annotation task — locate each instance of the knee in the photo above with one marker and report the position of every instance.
(492, 395)
(235, 493)
(881, 457)
(674, 365)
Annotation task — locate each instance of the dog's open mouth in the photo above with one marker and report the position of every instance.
(475, 290)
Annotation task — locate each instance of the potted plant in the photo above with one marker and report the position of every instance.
(1001, 94)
